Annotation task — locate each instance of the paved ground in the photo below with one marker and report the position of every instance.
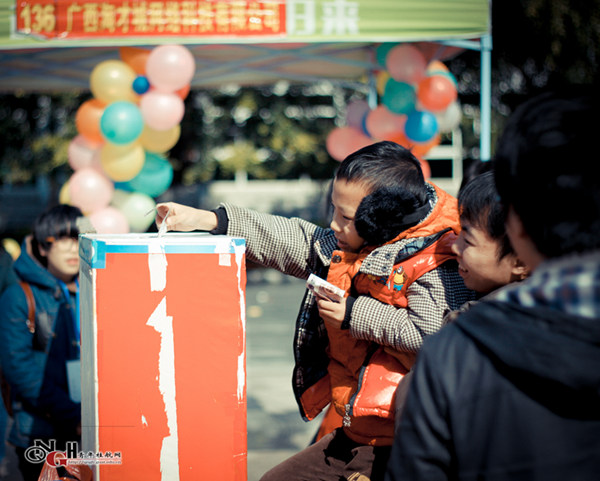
(275, 429)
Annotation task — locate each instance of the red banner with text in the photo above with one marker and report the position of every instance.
(123, 18)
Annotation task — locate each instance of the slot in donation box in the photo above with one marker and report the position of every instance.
(163, 356)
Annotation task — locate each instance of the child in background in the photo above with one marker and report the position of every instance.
(486, 260)
(389, 247)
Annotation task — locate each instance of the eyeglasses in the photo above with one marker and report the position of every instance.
(64, 244)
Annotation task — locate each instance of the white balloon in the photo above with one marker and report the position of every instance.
(138, 208)
(450, 118)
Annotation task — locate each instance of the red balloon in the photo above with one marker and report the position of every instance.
(436, 93)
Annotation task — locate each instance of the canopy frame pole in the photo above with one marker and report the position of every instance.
(486, 99)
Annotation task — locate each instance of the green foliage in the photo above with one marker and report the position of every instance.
(274, 132)
(36, 131)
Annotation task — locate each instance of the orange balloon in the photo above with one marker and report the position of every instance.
(425, 167)
(435, 66)
(418, 150)
(87, 120)
(135, 57)
(183, 92)
(401, 139)
(436, 92)
(421, 149)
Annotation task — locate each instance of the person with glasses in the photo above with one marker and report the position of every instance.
(40, 356)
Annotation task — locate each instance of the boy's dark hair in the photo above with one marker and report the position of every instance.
(545, 169)
(479, 205)
(398, 197)
(52, 224)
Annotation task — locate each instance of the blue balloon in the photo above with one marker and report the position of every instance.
(399, 97)
(140, 85)
(420, 126)
(121, 122)
(363, 124)
(155, 177)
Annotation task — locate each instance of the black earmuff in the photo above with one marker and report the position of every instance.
(387, 212)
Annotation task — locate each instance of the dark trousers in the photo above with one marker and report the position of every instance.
(335, 457)
(29, 471)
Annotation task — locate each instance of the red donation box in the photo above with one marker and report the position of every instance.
(163, 356)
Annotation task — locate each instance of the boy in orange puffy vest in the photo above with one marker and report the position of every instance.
(389, 248)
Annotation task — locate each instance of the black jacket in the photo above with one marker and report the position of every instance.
(504, 393)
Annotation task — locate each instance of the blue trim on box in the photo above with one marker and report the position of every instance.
(93, 251)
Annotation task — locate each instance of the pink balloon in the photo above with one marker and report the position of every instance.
(170, 67)
(109, 220)
(81, 152)
(383, 124)
(406, 63)
(161, 111)
(90, 190)
(342, 141)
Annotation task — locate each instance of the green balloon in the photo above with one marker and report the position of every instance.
(155, 177)
(399, 97)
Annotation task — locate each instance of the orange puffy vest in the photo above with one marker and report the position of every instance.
(363, 375)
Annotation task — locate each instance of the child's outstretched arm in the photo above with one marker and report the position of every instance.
(285, 244)
(184, 218)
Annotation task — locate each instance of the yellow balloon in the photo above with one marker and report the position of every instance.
(122, 162)
(159, 141)
(12, 247)
(64, 197)
(381, 79)
(112, 80)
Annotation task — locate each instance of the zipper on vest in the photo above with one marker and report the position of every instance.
(347, 420)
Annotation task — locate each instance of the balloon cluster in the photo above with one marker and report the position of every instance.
(418, 102)
(124, 133)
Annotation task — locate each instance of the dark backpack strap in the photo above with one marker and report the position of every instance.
(30, 306)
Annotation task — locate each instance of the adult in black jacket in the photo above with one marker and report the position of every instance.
(511, 390)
